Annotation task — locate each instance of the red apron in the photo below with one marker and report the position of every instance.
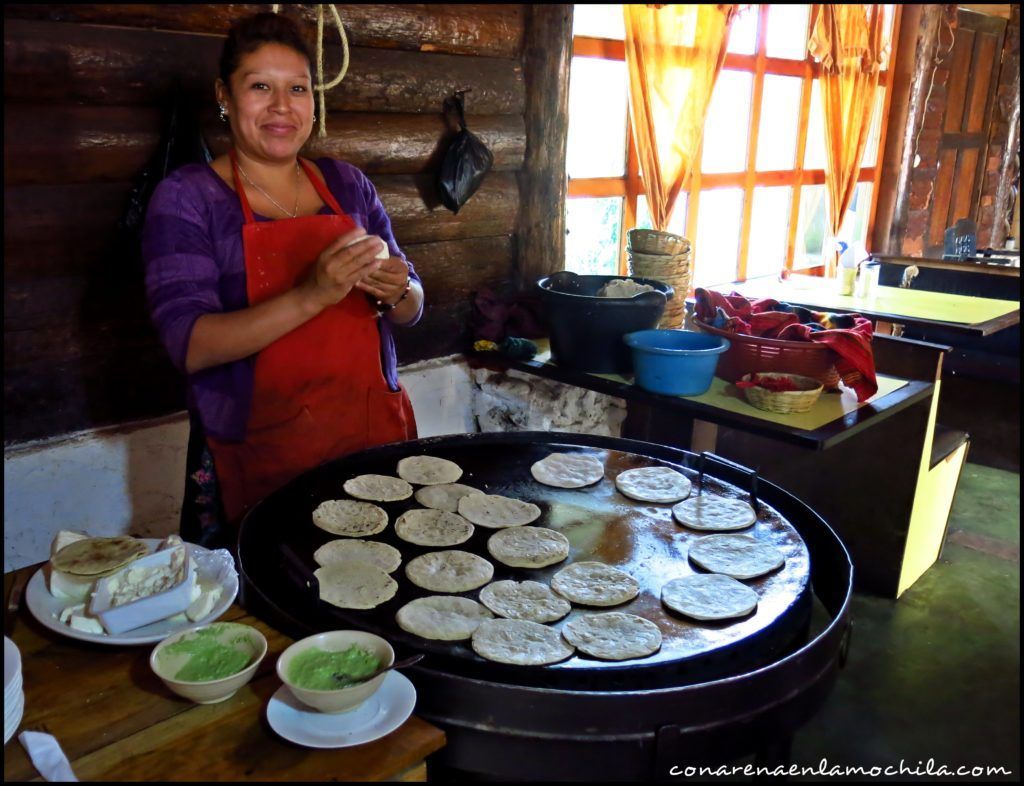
(319, 391)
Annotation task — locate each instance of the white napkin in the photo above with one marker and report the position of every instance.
(47, 756)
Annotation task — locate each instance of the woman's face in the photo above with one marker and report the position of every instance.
(270, 105)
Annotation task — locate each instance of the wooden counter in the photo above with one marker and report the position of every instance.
(116, 721)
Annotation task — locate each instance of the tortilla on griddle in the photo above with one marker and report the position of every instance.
(378, 488)
(495, 511)
(444, 497)
(442, 617)
(435, 528)
(428, 470)
(520, 642)
(594, 584)
(528, 547)
(709, 596)
(355, 586)
(653, 484)
(714, 514)
(568, 470)
(524, 600)
(739, 556)
(349, 518)
(613, 635)
(449, 571)
(336, 552)
(92, 556)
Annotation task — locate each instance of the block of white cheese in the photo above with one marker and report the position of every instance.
(384, 252)
(203, 605)
(151, 588)
(76, 617)
(65, 586)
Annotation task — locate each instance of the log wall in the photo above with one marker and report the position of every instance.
(86, 92)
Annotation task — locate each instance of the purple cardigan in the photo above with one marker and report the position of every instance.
(192, 248)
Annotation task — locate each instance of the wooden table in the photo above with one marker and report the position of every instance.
(976, 265)
(116, 721)
(975, 316)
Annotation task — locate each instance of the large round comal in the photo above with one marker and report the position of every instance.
(586, 330)
(675, 362)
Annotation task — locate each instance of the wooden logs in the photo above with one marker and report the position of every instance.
(542, 221)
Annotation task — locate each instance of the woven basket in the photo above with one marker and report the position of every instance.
(752, 354)
(784, 401)
(674, 271)
(651, 241)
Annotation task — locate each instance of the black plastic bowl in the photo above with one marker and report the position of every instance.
(586, 330)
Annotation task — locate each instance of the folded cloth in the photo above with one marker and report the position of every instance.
(47, 756)
(768, 318)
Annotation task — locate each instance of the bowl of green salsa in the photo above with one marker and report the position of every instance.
(209, 664)
(332, 672)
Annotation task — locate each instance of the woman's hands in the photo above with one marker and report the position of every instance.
(344, 264)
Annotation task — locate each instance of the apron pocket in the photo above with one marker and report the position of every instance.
(389, 417)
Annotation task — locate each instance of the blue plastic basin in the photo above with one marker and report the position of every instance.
(675, 362)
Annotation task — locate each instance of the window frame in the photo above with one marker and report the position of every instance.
(630, 186)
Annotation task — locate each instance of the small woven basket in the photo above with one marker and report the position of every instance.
(674, 271)
(652, 241)
(784, 401)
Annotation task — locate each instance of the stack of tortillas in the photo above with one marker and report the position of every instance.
(98, 557)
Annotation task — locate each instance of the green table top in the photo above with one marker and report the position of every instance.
(977, 314)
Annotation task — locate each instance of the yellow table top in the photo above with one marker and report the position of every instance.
(828, 407)
(822, 295)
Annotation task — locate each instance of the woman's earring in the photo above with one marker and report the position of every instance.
(223, 113)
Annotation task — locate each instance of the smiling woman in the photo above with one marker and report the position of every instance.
(274, 283)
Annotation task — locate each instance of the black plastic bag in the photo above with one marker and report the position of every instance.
(465, 163)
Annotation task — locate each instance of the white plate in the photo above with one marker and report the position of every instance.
(43, 606)
(379, 715)
(12, 718)
(12, 664)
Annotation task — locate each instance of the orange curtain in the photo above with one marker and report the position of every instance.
(674, 54)
(847, 39)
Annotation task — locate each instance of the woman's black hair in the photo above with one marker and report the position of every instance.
(250, 33)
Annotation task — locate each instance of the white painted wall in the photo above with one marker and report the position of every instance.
(130, 478)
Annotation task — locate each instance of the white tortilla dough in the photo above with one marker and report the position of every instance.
(709, 596)
(716, 514)
(428, 470)
(335, 552)
(495, 511)
(444, 497)
(520, 642)
(524, 600)
(528, 547)
(613, 635)
(653, 484)
(594, 584)
(435, 528)
(442, 617)
(355, 586)
(449, 571)
(568, 470)
(350, 519)
(378, 488)
(739, 556)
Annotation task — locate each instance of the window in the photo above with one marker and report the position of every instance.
(756, 202)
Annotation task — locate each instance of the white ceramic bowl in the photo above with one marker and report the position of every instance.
(232, 634)
(341, 699)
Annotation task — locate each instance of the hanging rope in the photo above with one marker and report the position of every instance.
(321, 87)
